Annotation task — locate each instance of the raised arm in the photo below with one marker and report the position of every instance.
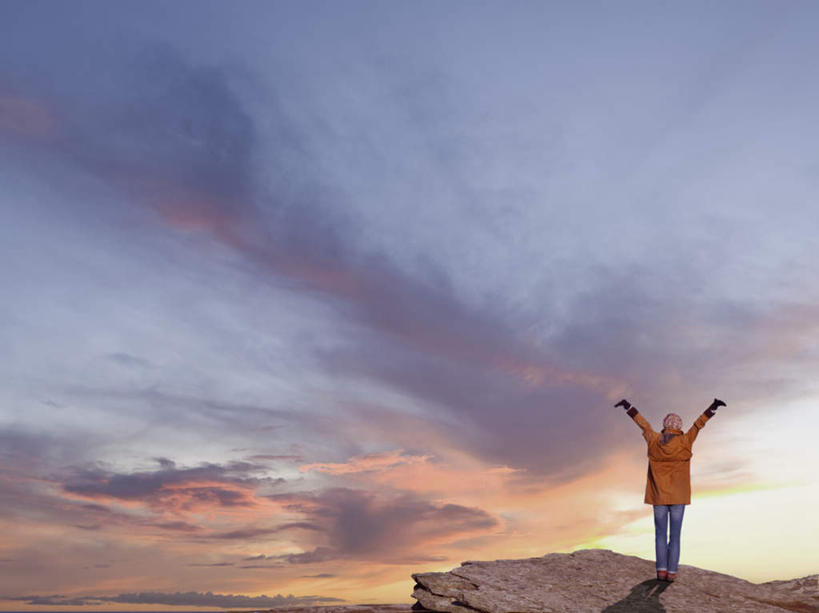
(691, 435)
(642, 422)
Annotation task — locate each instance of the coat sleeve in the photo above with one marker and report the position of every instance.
(691, 435)
(648, 431)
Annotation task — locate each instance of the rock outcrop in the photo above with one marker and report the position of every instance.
(601, 581)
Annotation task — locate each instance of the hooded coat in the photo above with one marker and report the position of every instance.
(669, 460)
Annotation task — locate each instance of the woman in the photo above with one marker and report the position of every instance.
(668, 485)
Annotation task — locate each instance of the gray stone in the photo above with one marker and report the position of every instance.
(601, 581)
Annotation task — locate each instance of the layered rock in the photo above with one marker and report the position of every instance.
(601, 581)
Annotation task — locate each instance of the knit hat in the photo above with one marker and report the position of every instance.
(672, 420)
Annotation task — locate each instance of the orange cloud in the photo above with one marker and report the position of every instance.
(368, 462)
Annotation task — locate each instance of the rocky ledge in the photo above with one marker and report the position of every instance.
(601, 581)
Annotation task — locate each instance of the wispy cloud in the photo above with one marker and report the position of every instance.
(180, 599)
(253, 532)
(202, 177)
(365, 463)
(172, 488)
(366, 525)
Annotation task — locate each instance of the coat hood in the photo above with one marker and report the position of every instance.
(668, 434)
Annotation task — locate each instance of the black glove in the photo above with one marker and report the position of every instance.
(713, 408)
(624, 403)
(716, 404)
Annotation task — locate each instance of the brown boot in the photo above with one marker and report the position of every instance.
(670, 577)
(661, 575)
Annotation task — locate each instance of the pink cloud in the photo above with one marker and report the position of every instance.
(365, 463)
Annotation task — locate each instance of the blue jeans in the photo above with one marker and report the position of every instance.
(668, 553)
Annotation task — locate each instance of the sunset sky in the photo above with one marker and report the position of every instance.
(299, 298)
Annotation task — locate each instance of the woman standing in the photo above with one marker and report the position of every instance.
(668, 485)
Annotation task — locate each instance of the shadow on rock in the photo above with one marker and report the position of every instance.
(644, 598)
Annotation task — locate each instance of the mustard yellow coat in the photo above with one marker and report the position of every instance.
(669, 464)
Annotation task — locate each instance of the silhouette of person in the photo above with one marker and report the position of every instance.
(668, 482)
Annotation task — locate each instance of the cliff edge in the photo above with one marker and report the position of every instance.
(602, 581)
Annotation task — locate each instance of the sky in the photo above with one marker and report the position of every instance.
(299, 298)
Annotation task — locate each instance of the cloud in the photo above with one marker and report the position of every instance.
(337, 523)
(177, 526)
(264, 456)
(179, 599)
(127, 359)
(317, 555)
(156, 503)
(173, 488)
(188, 410)
(56, 600)
(212, 564)
(24, 450)
(249, 533)
(365, 463)
(26, 117)
(198, 175)
(365, 525)
(552, 423)
(27, 461)
(183, 142)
